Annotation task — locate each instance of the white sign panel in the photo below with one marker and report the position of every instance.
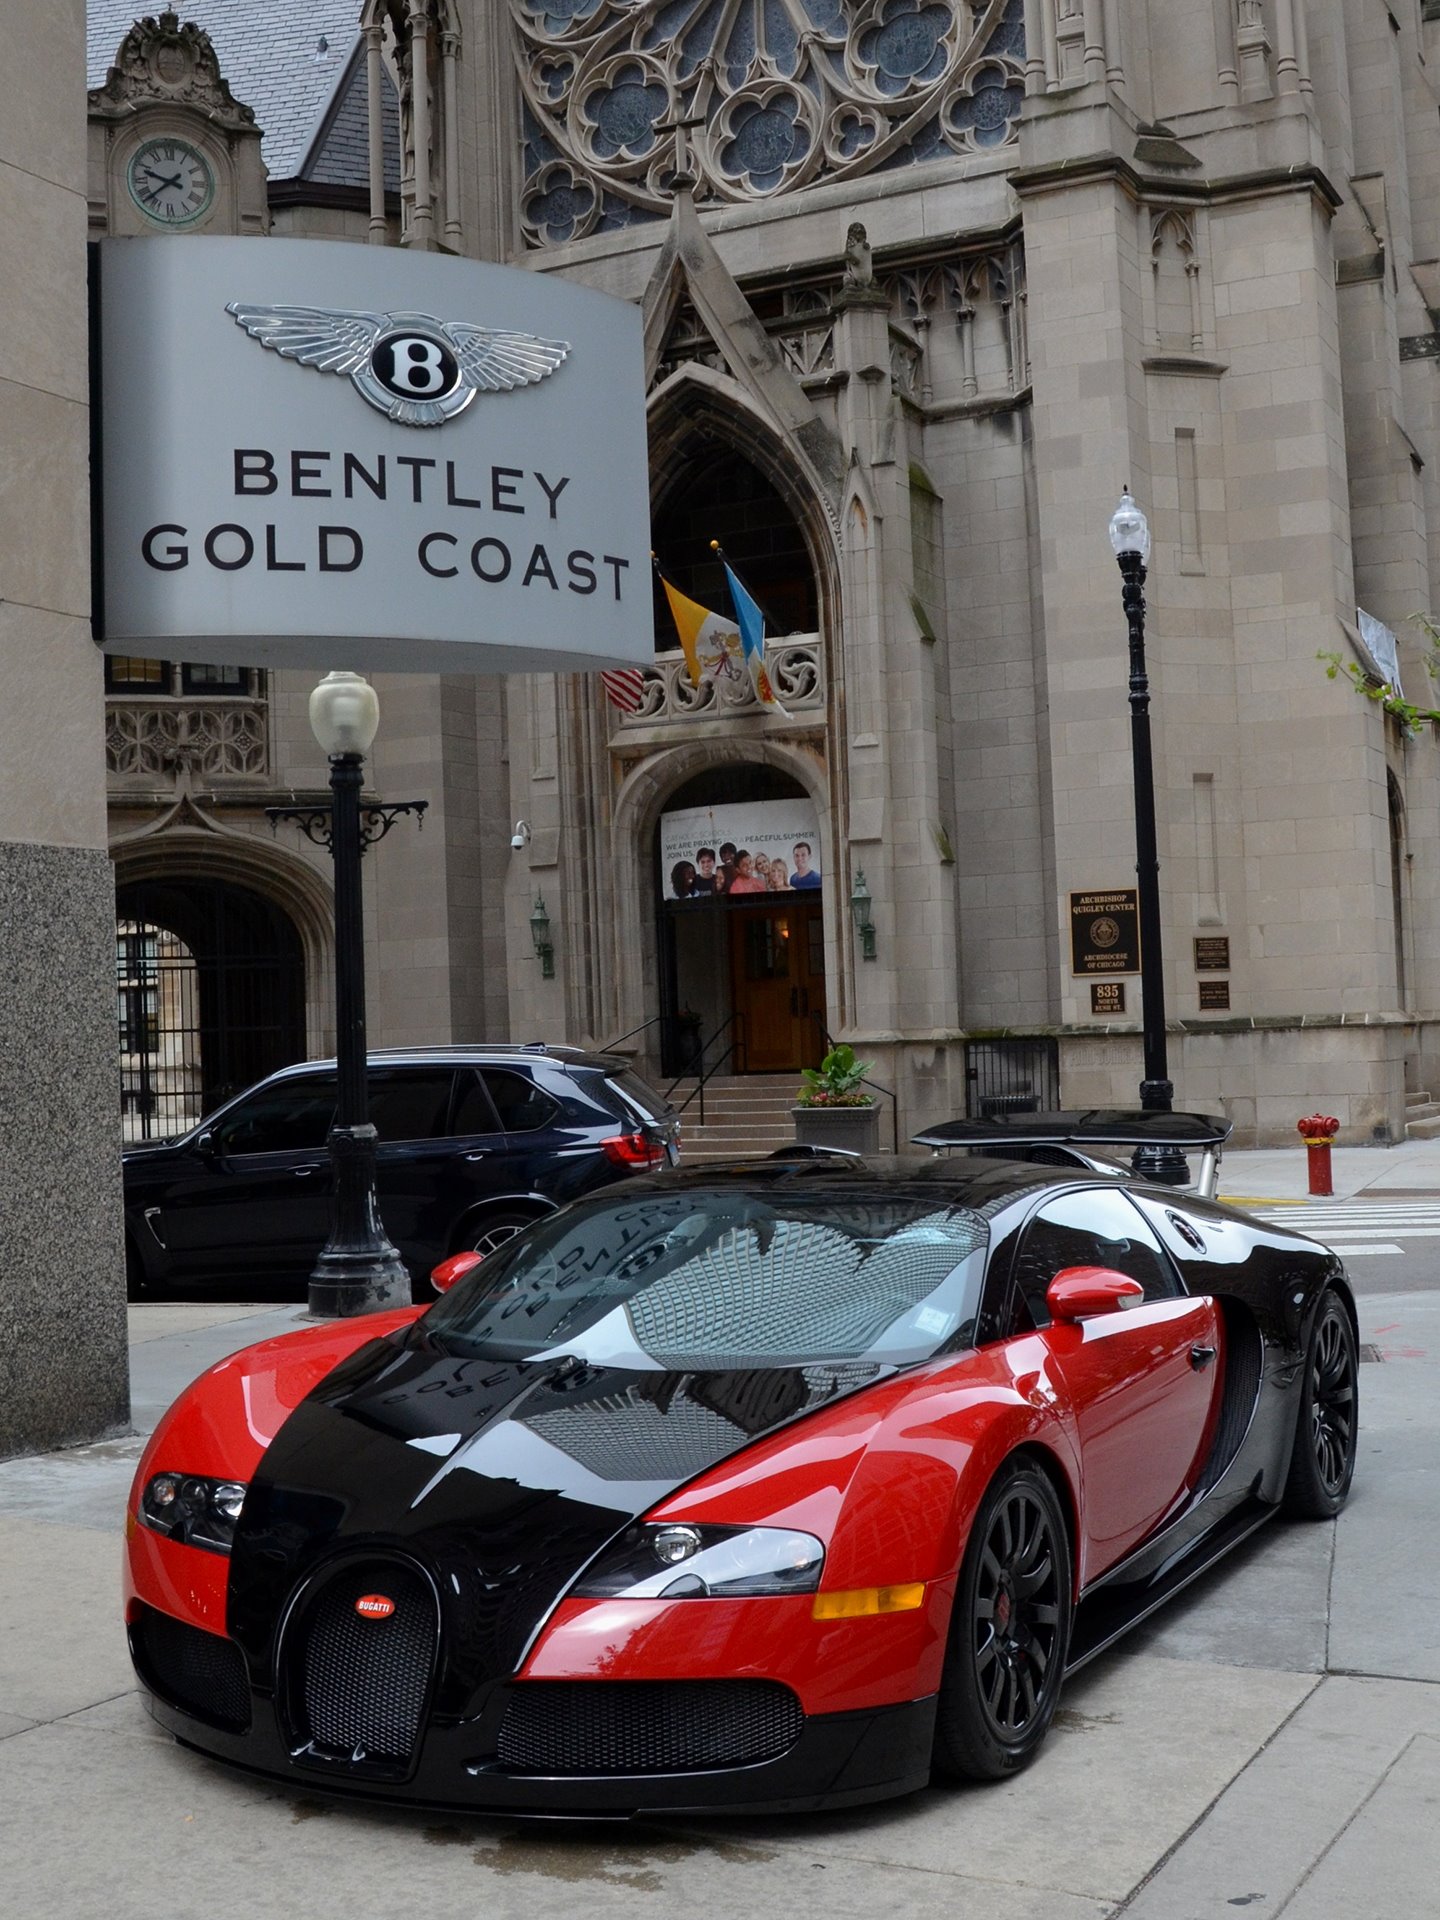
(325, 455)
(739, 852)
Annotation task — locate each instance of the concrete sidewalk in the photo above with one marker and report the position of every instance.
(1358, 1173)
(1271, 1741)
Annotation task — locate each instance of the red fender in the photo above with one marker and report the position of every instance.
(220, 1426)
(890, 1479)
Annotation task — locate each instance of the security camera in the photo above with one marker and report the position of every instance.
(520, 836)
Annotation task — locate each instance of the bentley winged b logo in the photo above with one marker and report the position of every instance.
(410, 366)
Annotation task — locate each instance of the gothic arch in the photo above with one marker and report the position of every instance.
(285, 880)
(699, 403)
(638, 806)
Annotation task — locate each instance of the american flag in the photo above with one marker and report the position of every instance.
(623, 686)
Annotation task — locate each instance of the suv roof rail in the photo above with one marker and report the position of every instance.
(1094, 1127)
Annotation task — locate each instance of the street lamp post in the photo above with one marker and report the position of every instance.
(1130, 539)
(358, 1270)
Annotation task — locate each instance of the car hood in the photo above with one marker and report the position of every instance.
(500, 1480)
(138, 1156)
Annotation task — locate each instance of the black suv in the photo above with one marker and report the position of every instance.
(473, 1144)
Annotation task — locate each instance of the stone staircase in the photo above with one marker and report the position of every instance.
(744, 1114)
(1422, 1117)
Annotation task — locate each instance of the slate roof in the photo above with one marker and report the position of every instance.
(270, 54)
(342, 154)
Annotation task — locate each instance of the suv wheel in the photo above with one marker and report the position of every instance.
(487, 1231)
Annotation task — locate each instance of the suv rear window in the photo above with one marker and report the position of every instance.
(521, 1105)
(637, 1093)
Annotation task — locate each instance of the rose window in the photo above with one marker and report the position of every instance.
(777, 95)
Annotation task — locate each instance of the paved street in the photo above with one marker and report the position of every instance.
(1272, 1742)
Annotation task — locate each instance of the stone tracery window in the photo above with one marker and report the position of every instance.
(777, 94)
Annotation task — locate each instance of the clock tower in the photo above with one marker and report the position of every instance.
(171, 149)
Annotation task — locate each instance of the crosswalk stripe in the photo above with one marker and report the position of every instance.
(1353, 1213)
(1352, 1253)
(1358, 1229)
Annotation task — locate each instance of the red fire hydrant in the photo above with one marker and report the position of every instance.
(1318, 1131)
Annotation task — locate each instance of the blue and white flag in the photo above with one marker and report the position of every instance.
(751, 622)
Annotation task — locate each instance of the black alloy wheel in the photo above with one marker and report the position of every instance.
(138, 1283)
(1009, 1631)
(1327, 1428)
(492, 1230)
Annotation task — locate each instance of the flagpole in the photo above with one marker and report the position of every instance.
(750, 618)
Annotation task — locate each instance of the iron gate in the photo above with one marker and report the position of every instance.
(210, 997)
(1011, 1076)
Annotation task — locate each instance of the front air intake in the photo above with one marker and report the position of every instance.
(646, 1726)
(200, 1673)
(358, 1660)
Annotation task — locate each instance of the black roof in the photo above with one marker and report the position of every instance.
(981, 1184)
(1097, 1127)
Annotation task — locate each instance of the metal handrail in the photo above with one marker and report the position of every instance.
(653, 1021)
(737, 1043)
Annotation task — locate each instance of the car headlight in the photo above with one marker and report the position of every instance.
(193, 1509)
(684, 1562)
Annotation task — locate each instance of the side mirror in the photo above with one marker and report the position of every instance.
(204, 1143)
(443, 1277)
(1077, 1292)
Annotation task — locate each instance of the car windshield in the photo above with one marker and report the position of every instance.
(716, 1279)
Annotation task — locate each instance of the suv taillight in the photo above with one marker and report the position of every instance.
(634, 1150)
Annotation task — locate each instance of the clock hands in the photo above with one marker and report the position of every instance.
(163, 180)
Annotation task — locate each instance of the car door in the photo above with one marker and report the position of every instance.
(1141, 1384)
(255, 1193)
(410, 1110)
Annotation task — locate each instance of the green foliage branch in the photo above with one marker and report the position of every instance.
(838, 1082)
(1411, 716)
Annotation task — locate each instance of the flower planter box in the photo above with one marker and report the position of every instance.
(851, 1129)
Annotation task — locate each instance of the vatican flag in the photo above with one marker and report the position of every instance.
(712, 644)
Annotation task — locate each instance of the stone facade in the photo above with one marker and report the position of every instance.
(1188, 248)
(62, 1269)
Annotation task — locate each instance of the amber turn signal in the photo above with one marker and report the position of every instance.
(862, 1600)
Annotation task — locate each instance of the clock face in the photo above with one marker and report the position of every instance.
(170, 181)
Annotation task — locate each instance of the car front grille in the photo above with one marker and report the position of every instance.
(646, 1726)
(201, 1673)
(358, 1682)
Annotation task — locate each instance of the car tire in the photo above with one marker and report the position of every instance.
(1009, 1630)
(138, 1283)
(483, 1232)
(1327, 1423)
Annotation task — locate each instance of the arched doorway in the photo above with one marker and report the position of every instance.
(740, 931)
(210, 981)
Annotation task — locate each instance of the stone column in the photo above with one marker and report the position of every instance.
(62, 1262)
(891, 744)
(422, 218)
(375, 128)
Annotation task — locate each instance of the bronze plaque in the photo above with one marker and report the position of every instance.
(1107, 996)
(1105, 932)
(1212, 953)
(1214, 996)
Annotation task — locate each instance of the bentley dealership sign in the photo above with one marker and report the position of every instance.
(340, 456)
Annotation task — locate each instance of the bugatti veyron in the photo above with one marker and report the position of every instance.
(777, 1485)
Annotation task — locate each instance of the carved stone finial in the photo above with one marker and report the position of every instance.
(159, 59)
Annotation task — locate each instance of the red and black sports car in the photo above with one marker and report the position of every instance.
(767, 1487)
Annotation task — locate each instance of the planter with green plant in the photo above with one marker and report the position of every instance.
(833, 1108)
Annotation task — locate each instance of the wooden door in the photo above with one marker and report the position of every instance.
(777, 975)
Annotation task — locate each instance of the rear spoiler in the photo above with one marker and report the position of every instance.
(1202, 1133)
